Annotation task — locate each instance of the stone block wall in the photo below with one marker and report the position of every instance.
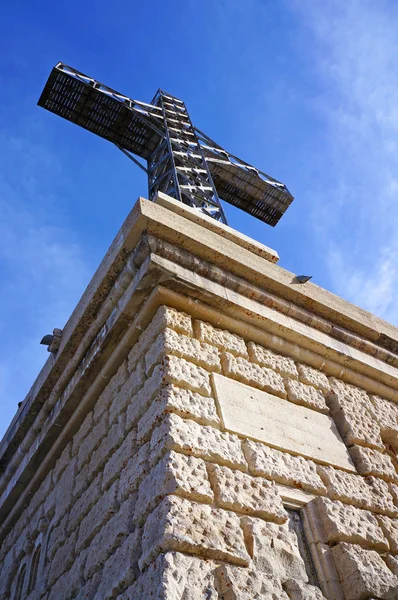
(154, 498)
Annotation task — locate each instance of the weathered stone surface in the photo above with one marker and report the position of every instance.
(86, 501)
(134, 472)
(186, 404)
(392, 563)
(201, 441)
(62, 462)
(175, 576)
(300, 393)
(184, 526)
(386, 414)
(110, 536)
(91, 442)
(252, 374)
(266, 358)
(313, 377)
(64, 490)
(119, 459)
(363, 573)
(82, 433)
(240, 492)
(284, 468)
(142, 400)
(62, 559)
(393, 489)
(164, 317)
(373, 462)
(370, 493)
(98, 515)
(390, 528)
(67, 586)
(274, 549)
(237, 583)
(130, 388)
(185, 374)
(120, 570)
(105, 399)
(298, 590)
(342, 523)
(266, 418)
(111, 441)
(352, 413)
(224, 340)
(182, 346)
(177, 474)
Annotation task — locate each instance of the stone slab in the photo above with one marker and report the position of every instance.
(261, 416)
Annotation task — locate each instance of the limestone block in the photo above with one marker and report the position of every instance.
(111, 536)
(252, 374)
(373, 462)
(57, 537)
(298, 590)
(266, 358)
(8, 567)
(67, 586)
(120, 570)
(119, 459)
(101, 512)
(164, 317)
(91, 442)
(134, 472)
(201, 441)
(85, 503)
(105, 399)
(369, 493)
(186, 404)
(390, 528)
(313, 377)
(82, 480)
(142, 400)
(237, 583)
(177, 474)
(277, 423)
(62, 462)
(392, 563)
(300, 393)
(124, 397)
(274, 549)
(182, 346)
(185, 374)
(184, 526)
(352, 412)
(64, 490)
(62, 559)
(82, 432)
(240, 492)
(393, 489)
(108, 445)
(175, 576)
(221, 339)
(363, 573)
(386, 414)
(284, 468)
(344, 523)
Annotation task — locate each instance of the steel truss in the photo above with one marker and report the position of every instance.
(181, 160)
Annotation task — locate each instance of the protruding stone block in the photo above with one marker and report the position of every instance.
(184, 526)
(242, 493)
(266, 358)
(221, 339)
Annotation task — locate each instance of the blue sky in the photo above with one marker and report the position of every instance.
(304, 90)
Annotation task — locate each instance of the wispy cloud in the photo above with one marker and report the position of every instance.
(42, 267)
(354, 53)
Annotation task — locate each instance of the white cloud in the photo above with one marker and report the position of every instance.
(354, 49)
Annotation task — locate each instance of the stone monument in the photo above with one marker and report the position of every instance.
(205, 428)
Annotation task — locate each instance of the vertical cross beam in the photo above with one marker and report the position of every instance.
(177, 166)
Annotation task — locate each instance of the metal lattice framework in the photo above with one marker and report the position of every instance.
(181, 160)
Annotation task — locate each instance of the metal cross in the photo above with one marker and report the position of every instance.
(181, 160)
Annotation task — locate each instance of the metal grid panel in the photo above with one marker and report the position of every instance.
(182, 160)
